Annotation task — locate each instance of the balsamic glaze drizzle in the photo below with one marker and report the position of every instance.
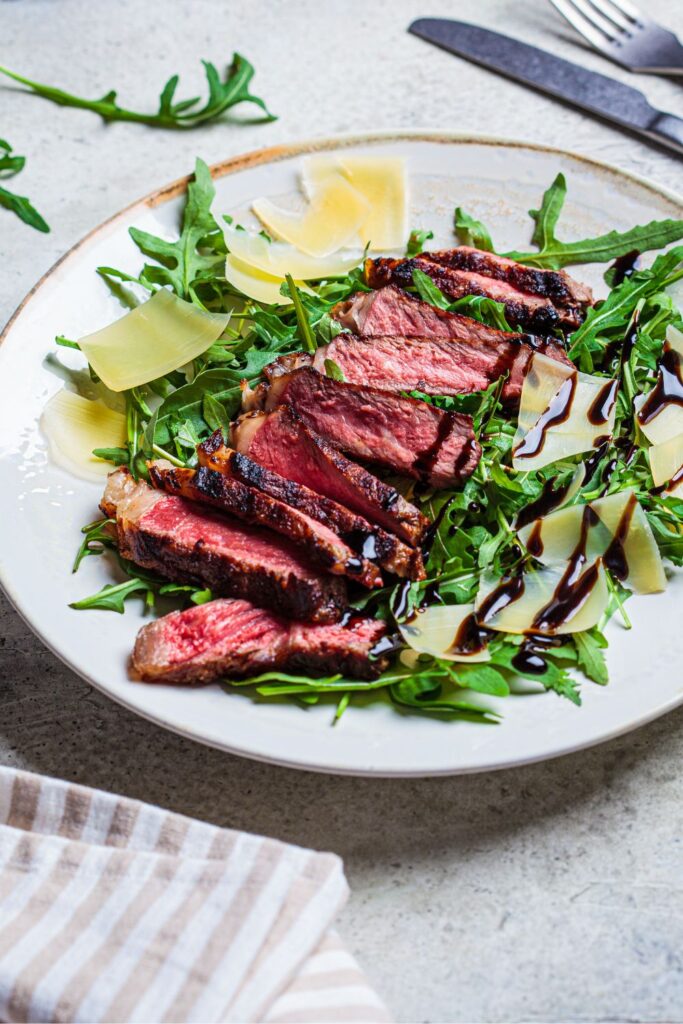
(557, 412)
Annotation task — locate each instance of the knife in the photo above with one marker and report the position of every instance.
(615, 102)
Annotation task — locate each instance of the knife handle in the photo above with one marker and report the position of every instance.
(667, 128)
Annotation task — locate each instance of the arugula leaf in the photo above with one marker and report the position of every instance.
(186, 405)
(471, 231)
(428, 291)
(480, 307)
(112, 597)
(547, 217)
(554, 254)
(181, 262)
(10, 164)
(334, 370)
(223, 93)
(416, 242)
(591, 660)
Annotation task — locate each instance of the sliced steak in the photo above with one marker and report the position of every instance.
(365, 539)
(281, 442)
(189, 544)
(435, 366)
(235, 639)
(321, 545)
(392, 312)
(539, 300)
(408, 436)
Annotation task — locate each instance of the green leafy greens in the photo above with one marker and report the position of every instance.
(223, 93)
(10, 165)
(554, 254)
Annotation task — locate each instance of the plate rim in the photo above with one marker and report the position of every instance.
(275, 154)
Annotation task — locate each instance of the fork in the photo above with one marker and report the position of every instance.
(624, 34)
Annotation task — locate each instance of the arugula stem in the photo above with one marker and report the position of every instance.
(163, 454)
(301, 318)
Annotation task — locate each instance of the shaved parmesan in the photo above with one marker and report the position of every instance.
(438, 630)
(593, 528)
(666, 465)
(254, 283)
(74, 426)
(155, 338)
(624, 518)
(667, 423)
(562, 413)
(523, 614)
(278, 258)
(331, 220)
(381, 180)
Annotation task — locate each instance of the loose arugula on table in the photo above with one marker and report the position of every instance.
(224, 93)
(477, 525)
(10, 165)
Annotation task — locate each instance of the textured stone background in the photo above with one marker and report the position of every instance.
(548, 893)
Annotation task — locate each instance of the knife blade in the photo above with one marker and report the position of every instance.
(615, 102)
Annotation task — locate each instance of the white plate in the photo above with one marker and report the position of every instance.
(42, 508)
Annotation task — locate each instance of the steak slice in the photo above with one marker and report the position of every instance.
(392, 312)
(365, 539)
(435, 366)
(322, 546)
(189, 544)
(232, 638)
(403, 434)
(281, 442)
(539, 300)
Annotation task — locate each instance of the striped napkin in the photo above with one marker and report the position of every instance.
(114, 910)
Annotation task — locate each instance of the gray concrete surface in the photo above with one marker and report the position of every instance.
(549, 893)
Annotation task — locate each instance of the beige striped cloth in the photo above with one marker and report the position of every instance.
(114, 910)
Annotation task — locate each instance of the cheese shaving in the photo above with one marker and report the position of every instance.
(331, 220)
(276, 259)
(668, 422)
(562, 413)
(155, 338)
(437, 631)
(666, 465)
(74, 426)
(383, 183)
(554, 539)
(522, 614)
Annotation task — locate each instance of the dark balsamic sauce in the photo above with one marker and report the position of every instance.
(470, 637)
(550, 498)
(615, 555)
(575, 584)
(624, 347)
(593, 461)
(625, 266)
(534, 544)
(530, 658)
(402, 603)
(432, 530)
(507, 591)
(387, 645)
(603, 403)
(557, 412)
(669, 387)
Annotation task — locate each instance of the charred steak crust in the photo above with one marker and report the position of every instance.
(281, 441)
(361, 536)
(321, 545)
(403, 434)
(188, 544)
(539, 300)
(235, 639)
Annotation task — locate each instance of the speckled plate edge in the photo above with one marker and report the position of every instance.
(274, 154)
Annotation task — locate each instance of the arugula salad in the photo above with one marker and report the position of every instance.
(483, 531)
